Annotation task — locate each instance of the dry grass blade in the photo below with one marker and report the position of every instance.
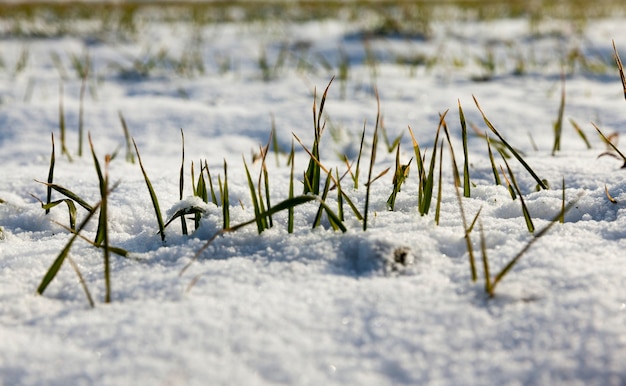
(610, 143)
(620, 67)
(511, 149)
(608, 195)
(153, 197)
(466, 176)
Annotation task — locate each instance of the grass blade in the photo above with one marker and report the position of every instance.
(610, 143)
(620, 67)
(50, 175)
(521, 253)
(372, 162)
(511, 149)
(496, 175)
(130, 156)
(290, 210)
(580, 133)
(466, 176)
(529, 221)
(255, 201)
(181, 181)
(226, 198)
(153, 197)
(58, 261)
(558, 125)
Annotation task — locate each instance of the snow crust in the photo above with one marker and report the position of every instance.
(392, 305)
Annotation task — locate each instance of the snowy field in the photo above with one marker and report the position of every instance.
(394, 304)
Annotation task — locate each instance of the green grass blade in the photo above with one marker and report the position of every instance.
(83, 86)
(527, 218)
(50, 175)
(466, 175)
(580, 133)
(130, 156)
(290, 210)
(181, 181)
(226, 198)
(511, 149)
(558, 125)
(208, 172)
(523, 251)
(496, 175)
(255, 201)
(439, 193)
(430, 178)
(69, 194)
(100, 234)
(64, 150)
(318, 216)
(58, 261)
(153, 197)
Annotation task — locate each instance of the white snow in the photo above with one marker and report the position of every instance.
(316, 306)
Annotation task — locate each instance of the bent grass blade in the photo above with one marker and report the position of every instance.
(153, 197)
(540, 182)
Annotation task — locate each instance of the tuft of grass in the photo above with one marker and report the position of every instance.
(312, 174)
(153, 196)
(540, 182)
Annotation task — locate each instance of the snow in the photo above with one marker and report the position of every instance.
(316, 306)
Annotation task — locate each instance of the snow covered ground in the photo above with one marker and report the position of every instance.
(316, 306)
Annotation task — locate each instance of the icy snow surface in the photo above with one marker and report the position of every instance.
(392, 305)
